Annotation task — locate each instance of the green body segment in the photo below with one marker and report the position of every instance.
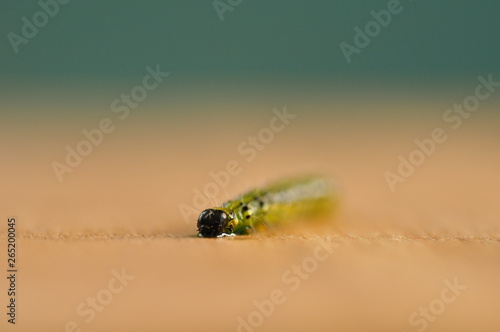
(280, 203)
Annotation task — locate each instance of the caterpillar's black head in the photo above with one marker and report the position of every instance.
(213, 222)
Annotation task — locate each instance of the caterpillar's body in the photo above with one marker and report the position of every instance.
(272, 205)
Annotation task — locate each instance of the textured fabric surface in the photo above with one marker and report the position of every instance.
(422, 258)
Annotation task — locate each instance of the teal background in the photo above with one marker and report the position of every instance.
(295, 40)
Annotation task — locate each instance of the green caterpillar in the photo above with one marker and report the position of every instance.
(275, 204)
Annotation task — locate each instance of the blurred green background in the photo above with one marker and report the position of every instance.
(296, 42)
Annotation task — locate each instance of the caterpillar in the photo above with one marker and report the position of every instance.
(259, 209)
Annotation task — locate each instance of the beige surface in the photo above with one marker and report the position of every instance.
(120, 210)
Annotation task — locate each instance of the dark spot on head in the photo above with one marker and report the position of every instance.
(245, 208)
(248, 217)
(212, 222)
